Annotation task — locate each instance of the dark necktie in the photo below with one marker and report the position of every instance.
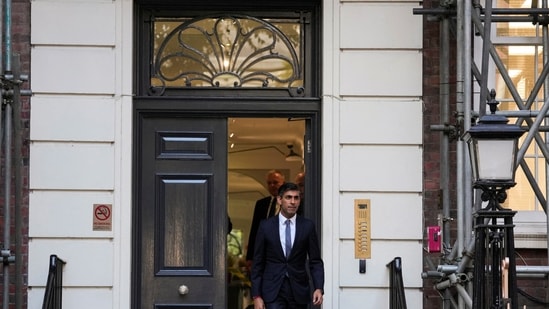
(272, 207)
(288, 238)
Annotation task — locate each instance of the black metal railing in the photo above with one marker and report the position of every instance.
(54, 285)
(397, 299)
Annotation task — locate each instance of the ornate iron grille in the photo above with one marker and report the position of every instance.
(233, 51)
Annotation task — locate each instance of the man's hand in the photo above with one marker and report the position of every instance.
(258, 303)
(317, 297)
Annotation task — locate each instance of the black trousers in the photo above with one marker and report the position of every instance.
(285, 298)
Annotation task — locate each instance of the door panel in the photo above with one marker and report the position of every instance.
(181, 216)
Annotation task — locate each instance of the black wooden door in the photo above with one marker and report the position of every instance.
(181, 216)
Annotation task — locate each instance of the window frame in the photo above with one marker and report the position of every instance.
(530, 225)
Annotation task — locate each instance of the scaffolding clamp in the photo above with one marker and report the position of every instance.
(12, 85)
(450, 130)
(447, 219)
(7, 258)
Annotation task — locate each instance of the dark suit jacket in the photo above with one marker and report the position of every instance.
(270, 265)
(260, 213)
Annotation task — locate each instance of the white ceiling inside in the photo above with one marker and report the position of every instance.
(260, 144)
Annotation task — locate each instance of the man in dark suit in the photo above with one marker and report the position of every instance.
(264, 208)
(284, 245)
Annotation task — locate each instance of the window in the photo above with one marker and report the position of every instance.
(519, 46)
(227, 51)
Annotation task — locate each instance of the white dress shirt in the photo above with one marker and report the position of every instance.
(282, 230)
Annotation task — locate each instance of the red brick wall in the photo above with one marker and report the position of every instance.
(20, 45)
(432, 194)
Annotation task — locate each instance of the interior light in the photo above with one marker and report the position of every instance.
(292, 155)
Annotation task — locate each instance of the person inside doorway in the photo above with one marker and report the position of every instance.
(300, 182)
(264, 208)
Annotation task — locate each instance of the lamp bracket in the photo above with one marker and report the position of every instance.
(494, 193)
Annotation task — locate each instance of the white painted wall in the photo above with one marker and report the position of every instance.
(80, 146)
(372, 137)
(81, 141)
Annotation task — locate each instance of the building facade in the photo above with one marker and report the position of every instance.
(98, 111)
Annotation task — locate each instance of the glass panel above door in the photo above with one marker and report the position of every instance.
(232, 51)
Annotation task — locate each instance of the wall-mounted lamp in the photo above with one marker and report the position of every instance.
(292, 156)
(493, 149)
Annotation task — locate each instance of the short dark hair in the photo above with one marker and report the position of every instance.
(287, 186)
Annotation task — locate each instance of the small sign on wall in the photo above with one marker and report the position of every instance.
(102, 217)
(362, 229)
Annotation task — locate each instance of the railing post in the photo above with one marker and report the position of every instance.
(397, 297)
(54, 285)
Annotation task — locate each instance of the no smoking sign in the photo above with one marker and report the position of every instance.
(102, 217)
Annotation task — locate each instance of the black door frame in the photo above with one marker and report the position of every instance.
(232, 102)
(308, 109)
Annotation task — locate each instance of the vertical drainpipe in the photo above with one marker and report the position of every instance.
(7, 197)
(7, 153)
(444, 144)
(7, 55)
(18, 186)
(6, 240)
(13, 126)
(459, 145)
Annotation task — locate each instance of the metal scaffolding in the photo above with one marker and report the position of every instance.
(466, 20)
